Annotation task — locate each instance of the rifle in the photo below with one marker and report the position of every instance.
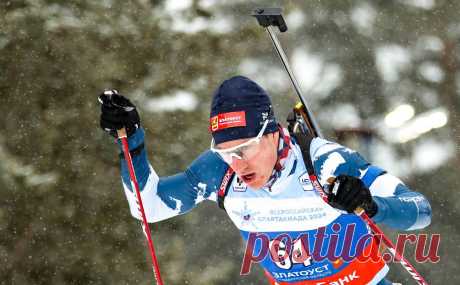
(303, 125)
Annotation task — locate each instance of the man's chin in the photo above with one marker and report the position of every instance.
(257, 184)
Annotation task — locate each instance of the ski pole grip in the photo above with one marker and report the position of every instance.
(358, 211)
(122, 133)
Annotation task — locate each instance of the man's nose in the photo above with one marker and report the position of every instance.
(238, 164)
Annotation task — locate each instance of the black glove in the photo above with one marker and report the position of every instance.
(118, 112)
(348, 193)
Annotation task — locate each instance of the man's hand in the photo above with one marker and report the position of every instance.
(117, 112)
(348, 193)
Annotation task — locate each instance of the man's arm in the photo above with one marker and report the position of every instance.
(166, 197)
(162, 197)
(397, 206)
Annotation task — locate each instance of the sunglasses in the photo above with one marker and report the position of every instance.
(246, 150)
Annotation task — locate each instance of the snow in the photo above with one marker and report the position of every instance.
(345, 116)
(402, 126)
(59, 17)
(431, 154)
(385, 156)
(198, 24)
(14, 167)
(3, 41)
(422, 4)
(181, 100)
(175, 6)
(431, 72)
(257, 70)
(399, 116)
(311, 71)
(363, 17)
(295, 19)
(308, 67)
(216, 24)
(176, 11)
(429, 97)
(421, 124)
(431, 43)
(206, 4)
(314, 74)
(391, 60)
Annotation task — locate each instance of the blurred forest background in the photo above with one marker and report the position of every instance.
(382, 76)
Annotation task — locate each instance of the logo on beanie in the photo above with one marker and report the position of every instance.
(265, 116)
(228, 120)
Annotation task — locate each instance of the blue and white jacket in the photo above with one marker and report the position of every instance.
(290, 206)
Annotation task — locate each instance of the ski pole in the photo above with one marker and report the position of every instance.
(391, 247)
(145, 226)
(377, 231)
(268, 17)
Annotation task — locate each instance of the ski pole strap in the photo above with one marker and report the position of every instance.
(133, 152)
(223, 189)
(304, 141)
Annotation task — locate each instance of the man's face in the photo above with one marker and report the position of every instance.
(255, 171)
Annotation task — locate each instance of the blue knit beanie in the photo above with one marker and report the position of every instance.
(239, 109)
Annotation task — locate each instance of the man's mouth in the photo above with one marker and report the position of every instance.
(248, 178)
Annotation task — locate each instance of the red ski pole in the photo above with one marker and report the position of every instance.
(145, 226)
(391, 247)
(378, 232)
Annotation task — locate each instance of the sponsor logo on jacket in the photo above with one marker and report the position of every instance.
(348, 279)
(305, 182)
(239, 186)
